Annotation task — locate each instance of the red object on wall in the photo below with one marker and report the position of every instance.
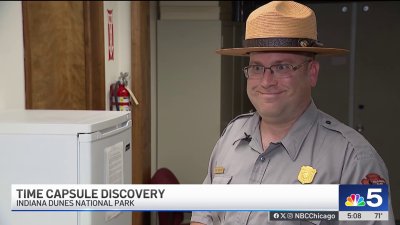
(119, 97)
(123, 98)
(110, 35)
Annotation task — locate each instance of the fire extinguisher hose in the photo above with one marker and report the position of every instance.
(115, 95)
(132, 96)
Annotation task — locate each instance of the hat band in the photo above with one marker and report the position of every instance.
(282, 42)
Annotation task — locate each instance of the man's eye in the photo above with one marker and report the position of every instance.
(282, 67)
(258, 69)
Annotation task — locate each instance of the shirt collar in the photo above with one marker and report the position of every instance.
(292, 141)
(299, 131)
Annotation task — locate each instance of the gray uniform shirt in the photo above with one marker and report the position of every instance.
(338, 153)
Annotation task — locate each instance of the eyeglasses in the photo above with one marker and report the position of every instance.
(278, 70)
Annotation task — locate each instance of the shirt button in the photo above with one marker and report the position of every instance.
(262, 158)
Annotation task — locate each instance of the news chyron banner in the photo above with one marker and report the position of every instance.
(284, 202)
(363, 202)
(355, 203)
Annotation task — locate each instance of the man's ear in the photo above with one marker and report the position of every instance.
(314, 71)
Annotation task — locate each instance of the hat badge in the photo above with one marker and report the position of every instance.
(304, 43)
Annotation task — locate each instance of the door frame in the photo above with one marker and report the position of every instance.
(141, 114)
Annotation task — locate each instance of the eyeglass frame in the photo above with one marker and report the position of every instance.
(293, 68)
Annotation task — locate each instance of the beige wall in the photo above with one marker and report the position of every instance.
(12, 92)
(188, 96)
(188, 87)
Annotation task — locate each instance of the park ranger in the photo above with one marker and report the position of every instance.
(288, 140)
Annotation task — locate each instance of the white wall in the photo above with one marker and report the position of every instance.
(122, 43)
(12, 84)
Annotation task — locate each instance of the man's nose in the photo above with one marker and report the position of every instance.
(268, 77)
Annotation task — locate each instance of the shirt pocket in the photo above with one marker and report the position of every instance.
(222, 179)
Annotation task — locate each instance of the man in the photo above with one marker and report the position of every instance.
(288, 140)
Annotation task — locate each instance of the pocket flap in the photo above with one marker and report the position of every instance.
(222, 179)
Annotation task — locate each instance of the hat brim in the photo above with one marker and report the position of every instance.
(247, 51)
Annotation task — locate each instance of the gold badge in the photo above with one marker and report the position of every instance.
(306, 174)
(219, 170)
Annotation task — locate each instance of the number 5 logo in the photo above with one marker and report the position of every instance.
(372, 194)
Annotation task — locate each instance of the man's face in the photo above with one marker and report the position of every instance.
(280, 98)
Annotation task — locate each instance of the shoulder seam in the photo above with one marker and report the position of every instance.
(236, 118)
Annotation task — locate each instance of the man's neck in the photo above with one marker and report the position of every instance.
(275, 131)
(271, 132)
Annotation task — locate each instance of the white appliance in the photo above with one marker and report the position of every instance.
(63, 147)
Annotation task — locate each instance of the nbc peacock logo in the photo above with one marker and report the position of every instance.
(355, 200)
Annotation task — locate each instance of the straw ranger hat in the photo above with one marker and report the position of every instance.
(281, 26)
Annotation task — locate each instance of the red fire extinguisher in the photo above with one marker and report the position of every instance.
(120, 94)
